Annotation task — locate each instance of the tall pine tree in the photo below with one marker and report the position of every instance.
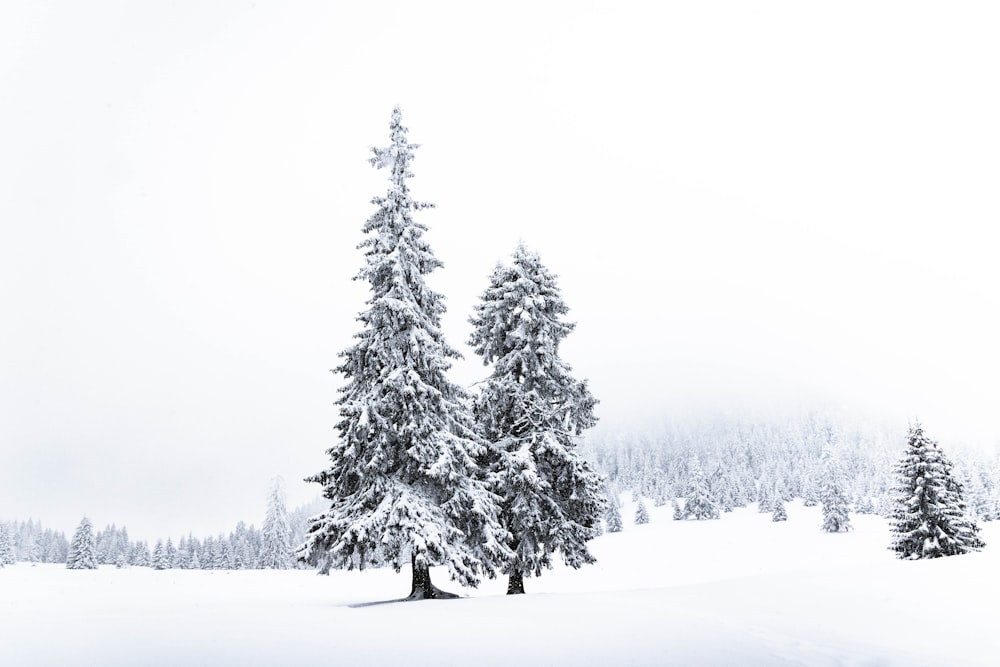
(833, 497)
(929, 519)
(276, 545)
(83, 548)
(531, 409)
(403, 481)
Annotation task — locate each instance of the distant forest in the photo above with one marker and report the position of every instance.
(739, 461)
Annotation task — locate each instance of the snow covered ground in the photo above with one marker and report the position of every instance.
(739, 591)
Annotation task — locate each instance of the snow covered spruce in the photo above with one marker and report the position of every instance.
(6, 546)
(83, 548)
(530, 410)
(836, 518)
(276, 535)
(929, 519)
(404, 481)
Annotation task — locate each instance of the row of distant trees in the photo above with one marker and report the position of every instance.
(29, 541)
(731, 462)
(926, 501)
(926, 505)
(245, 547)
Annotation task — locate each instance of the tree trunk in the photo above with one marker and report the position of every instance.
(515, 583)
(422, 588)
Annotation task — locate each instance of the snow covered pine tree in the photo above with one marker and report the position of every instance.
(404, 482)
(6, 546)
(531, 410)
(929, 518)
(700, 504)
(276, 535)
(835, 510)
(83, 548)
(613, 515)
(641, 512)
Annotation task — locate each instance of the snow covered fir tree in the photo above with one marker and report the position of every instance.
(641, 512)
(531, 410)
(700, 503)
(276, 535)
(6, 546)
(83, 549)
(779, 514)
(929, 519)
(613, 515)
(403, 483)
(836, 517)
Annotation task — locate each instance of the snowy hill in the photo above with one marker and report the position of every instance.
(742, 590)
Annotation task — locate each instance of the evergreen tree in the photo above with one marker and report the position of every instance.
(276, 547)
(641, 513)
(614, 514)
(403, 483)
(765, 497)
(700, 504)
(833, 498)
(929, 519)
(6, 546)
(160, 560)
(531, 410)
(220, 553)
(140, 555)
(779, 511)
(678, 513)
(810, 497)
(83, 549)
(170, 555)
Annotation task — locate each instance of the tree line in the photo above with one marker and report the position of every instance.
(245, 547)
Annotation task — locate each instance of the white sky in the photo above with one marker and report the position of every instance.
(748, 204)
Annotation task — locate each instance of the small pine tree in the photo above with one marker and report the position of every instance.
(779, 511)
(83, 549)
(765, 499)
(160, 560)
(929, 519)
(641, 513)
(140, 555)
(700, 504)
(678, 512)
(614, 514)
(810, 498)
(276, 545)
(835, 507)
(6, 546)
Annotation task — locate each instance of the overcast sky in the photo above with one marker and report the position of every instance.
(747, 203)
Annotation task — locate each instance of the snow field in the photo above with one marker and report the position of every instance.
(742, 590)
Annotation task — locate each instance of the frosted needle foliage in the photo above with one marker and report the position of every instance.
(403, 484)
(531, 409)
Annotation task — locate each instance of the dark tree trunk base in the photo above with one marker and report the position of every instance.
(435, 594)
(515, 583)
(422, 588)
